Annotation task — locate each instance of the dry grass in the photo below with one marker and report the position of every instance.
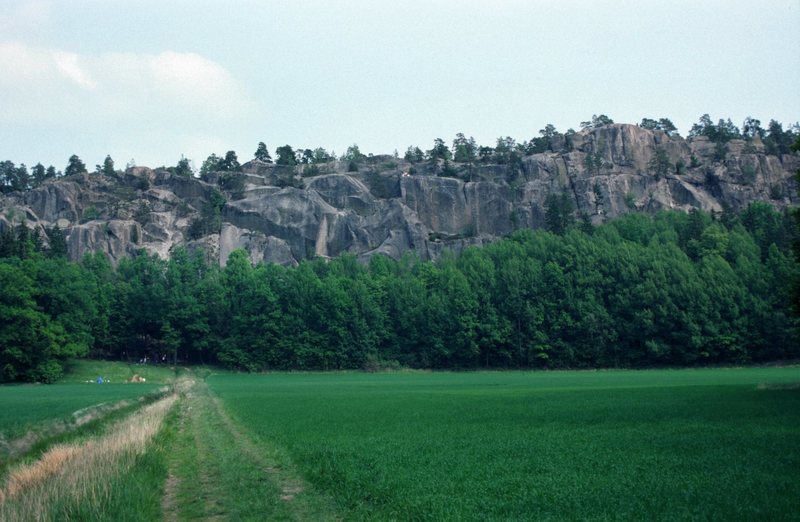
(79, 473)
(23, 478)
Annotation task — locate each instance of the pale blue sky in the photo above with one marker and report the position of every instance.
(137, 79)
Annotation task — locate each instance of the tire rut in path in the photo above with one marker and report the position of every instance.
(219, 473)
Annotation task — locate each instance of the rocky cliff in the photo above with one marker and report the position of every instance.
(389, 206)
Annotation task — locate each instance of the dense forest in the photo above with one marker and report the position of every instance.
(664, 290)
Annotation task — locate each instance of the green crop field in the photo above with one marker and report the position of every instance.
(24, 407)
(718, 444)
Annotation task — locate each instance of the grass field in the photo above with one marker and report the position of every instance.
(27, 406)
(720, 444)
(82, 370)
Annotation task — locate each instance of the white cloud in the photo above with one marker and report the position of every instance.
(68, 64)
(46, 86)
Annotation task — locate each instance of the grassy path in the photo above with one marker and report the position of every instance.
(104, 477)
(218, 473)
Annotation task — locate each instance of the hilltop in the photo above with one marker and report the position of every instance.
(388, 204)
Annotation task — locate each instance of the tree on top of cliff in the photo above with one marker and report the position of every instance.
(414, 155)
(285, 156)
(752, 128)
(75, 166)
(439, 151)
(722, 132)
(106, 168)
(262, 153)
(597, 122)
(778, 141)
(466, 150)
(183, 168)
(230, 163)
(208, 166)
(353, 157)
(663, 124)
(544, 141)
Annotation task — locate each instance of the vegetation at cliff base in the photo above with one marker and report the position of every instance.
(673, 289)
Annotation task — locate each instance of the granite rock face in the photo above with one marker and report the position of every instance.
(285, 215)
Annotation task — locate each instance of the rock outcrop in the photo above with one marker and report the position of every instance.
(388, 206)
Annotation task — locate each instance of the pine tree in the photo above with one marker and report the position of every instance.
(262, 154)
(75, 166)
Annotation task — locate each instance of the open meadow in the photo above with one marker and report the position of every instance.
(717, 444)
(640, 445)
(25, 407)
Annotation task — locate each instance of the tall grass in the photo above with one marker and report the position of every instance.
(80, 477)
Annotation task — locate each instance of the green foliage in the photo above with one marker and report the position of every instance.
(233, 182)
(90, 213)
(465, 150)
(719, 134)
(777, 140)
(57, 242)
(447, 170)
(545, 141)
(230, 163)
(210, 219)
(414, 155)
(597, 190)
(75, 166)
(674, 289)
(596, 122)
(209, 166)
(751, 128)
(8, 176)
(354, 155)
(558, 213)
(659, 165)
(39, 174)
(107, 168)
(663, 124)
(440, 151)
(592, 163)
(33, 347)
(286, 156)
(262, 153)
(183, 168)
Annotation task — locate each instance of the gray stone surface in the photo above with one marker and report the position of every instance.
(284, 218)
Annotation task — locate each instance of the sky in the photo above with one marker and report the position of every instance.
(154, 80)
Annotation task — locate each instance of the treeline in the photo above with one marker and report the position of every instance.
(506, 151)
(673, 289)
